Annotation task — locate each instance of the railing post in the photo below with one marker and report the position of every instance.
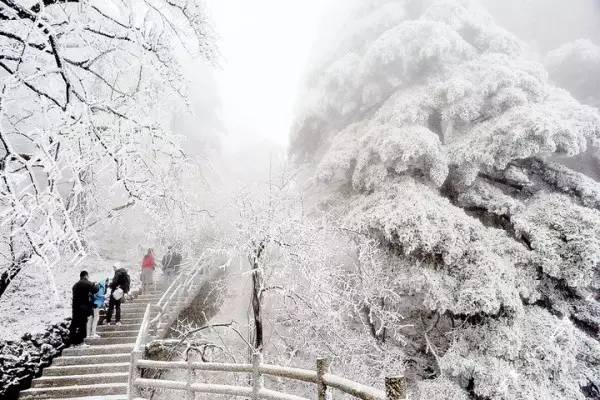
(132, 391)
(323, 367)
(395, 388)
(190, 378)
(257, 378)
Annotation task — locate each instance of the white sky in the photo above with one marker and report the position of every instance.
(265, 45)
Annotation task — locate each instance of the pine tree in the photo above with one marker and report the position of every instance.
(432, 134)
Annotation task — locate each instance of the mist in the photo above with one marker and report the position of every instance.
(381, 199)
(546, 25)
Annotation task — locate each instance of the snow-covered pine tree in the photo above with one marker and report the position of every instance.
(430, 132)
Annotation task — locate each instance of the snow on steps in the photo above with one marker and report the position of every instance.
(84, 369)
(111, 340)
(74, 380)
(115, 333)
(74, 391)
(124, 327)
(99, 349)
(107, 397)
(98, 371)
(96, 359)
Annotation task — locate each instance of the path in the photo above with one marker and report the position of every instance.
(99, 371)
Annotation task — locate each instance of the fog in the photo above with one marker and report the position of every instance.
(264, 46)
(406, 188)
(547, 24)
(267, 46)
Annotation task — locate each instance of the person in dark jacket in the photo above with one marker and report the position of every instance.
(176, 262)
(167, 265)
(120, 280)
(83, 291)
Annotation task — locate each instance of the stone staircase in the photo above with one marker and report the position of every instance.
(97, 371)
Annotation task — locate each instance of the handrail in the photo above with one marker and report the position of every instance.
(173, 300)
(180, 286)
(395, 387)
(265, 369)
(137, 352)
(143, 328)
(163, 305)
(240, 391)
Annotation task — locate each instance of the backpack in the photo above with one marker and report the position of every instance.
(117, 294)
(126, 283)
(122, 280)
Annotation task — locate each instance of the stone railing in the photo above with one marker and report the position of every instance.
(177, 297)
(320, 377)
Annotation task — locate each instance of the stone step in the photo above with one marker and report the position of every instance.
(128, 315)
(92, 359)
(86, 369)
(133, 320)
(95, 350)
(122, 327)
(106, 397)
(111, 340)
(107, 334)
(146, 300)
(141, 311)
(72, 380)
(99, 389)
(134, 305)
(133, 314)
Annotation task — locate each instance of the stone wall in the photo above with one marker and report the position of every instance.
(23, 360)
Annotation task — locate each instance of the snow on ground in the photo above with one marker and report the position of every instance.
(28, 305)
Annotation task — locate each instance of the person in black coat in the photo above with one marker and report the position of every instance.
(83, 291)
(176, 262)
(167, 265)
(121, 280)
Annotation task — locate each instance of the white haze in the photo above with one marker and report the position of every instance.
(265, 45)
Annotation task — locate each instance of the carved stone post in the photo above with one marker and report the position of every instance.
(395, 388)
(323, 367)
(134, 373)
(190, 395)
(257, 378)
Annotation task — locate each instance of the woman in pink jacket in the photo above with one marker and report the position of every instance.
(148, 266)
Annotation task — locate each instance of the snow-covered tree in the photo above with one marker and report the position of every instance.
(87, 88)
(429, 132)
(575, 66)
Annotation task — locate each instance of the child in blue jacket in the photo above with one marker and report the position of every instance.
(98, 304)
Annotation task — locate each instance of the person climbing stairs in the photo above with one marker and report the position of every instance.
(99, 369)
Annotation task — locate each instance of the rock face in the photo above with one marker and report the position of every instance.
(23, 360)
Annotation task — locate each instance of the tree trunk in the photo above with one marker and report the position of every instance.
(11, 272)
(257, 296)
(256, 307)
